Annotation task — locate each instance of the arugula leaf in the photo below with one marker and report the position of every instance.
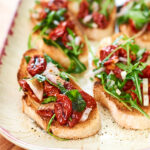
(49, 59)
(137, 82)
(58, 138)
(29, 41)
(78, 103)
(61, 88)
(27, 58)
(51, 43)
(50, 122)
(49, 99)
(135, 106)
(64, 76)
(76, 66)
(76, 49)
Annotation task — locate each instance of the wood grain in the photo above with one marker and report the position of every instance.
(6, 145)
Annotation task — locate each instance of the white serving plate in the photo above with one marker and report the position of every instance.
(19, 129)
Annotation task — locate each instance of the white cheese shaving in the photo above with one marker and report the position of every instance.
(146, 100)
(87, 18)
(99, 70)
(77, 40)
(95, 6)
(56, 22)
(70, 37)
(123, 74)
(123, 59)
(51, 72)
(118, 91)
(145, 85)
(94, 25)
(85, 114)
(36, 87)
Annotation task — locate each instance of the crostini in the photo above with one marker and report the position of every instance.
(134, 17)
(96, 17)
(122, 81)
(54, 101)
(55, 32)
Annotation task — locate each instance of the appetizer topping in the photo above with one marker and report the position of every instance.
(136, 14)
(37, 65)
(57, 29)
(56, 95)
(95, 14)
(36, 87)
(127, 81)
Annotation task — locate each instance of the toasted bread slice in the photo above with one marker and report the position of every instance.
(82, 130)
(124, 117)
(56, 53)
(143, 41)
(95, 34)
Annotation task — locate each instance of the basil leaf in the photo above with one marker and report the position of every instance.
(49, 59)
(27, 58)
(49, 99)
(78, 103)
(64, 76)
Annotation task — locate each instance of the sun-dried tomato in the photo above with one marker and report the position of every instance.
(42, 15)
(54, 4)
(65, 40)
(128, 85)
(132, 25)
(37, 65)
(146, 72)
(100, 20)
(50, 90)
(84, 9)
(117, 71)
(76, 116)
(26, 88)
(60, 30)
(47, 113)
(63, 109)
(144, 57)
(68, 86)
(148, 27)
(90, 101)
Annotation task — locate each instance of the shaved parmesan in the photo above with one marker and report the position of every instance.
(118, 91)
(51, 72)
(123, 74)
(85, 114)
(87, 18)
(123, 59)
(145, 85)
(94, 25)
(77, 40)
(99, 70)
(146, 100)
(36, 87)
(95, 6)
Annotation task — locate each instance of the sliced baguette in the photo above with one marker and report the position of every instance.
(56, 53)
(82, 130)
(124, 117)
(143, 41)
(95, 34)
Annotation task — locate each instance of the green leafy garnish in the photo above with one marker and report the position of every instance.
(50, 122)
(27, 58)
(64, 76)
(78, 104)
(138, 11)
(49, 99)
(49, 59)
(29, 41)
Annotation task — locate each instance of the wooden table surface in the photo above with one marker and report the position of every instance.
(6, 145)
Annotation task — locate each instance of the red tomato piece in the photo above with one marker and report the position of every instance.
(100, 20)
(90, 101)
(76, 116)
(37, 65)
(50, 90)
(146, 72)
(48, 113)
(63, 109)
(84, 9)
